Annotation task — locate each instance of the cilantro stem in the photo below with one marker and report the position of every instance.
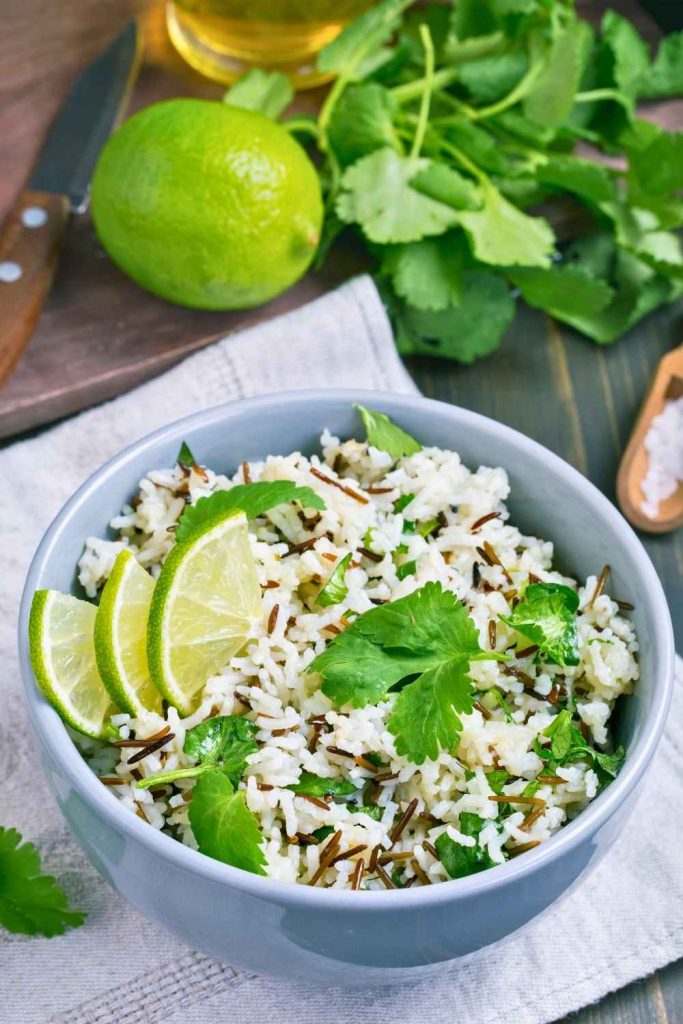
(602, 94)
(471, 49)
(414, 90)
(178, 773)
(423, 116)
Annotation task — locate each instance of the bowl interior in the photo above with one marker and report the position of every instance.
(548, 499)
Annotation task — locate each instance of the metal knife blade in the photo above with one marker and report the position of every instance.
(90, 113)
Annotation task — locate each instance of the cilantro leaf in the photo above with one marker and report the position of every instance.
(266, 92)
(480, 145)
(564, 291)
(665, 76)
(185, 457)
(363, 121)
(465, 331)
(551, 97)
(497, 779)
(223, 742)
(335, 590)
(357, 671)
(426, 638)
(385, 435)
(546, 615)
(376, 192)
(427, 274)
(426, 716)
(639, 231)
(625, 56)
(502, 235)
(431, 623)
(460, 861)
(444, 184)
(658, 167)
(637, 288)
(223, 825)
(568, 744)
(365, 34)
(31, 903)
(253, 499)
(610, 764)
(310, 784)
(581, 177)
(490, 78)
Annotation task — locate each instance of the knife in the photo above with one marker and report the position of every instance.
(32, 235)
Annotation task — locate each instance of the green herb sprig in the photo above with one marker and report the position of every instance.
(31, 902)
(223, 825)
(448, 125)
(425, 642)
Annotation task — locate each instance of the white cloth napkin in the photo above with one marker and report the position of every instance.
(625, 922)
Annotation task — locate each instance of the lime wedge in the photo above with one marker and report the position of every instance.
(205, 603)
(121, 636)
(63, 658)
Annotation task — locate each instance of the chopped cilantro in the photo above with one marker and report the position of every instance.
(402, 502)
(31, 903)
(373, 811)
(426, 528)
(322, 833)
(547, 616)
(310, 784)
(500, 700)
(567, 745)
(407, 569)
(335, 590)
(460, 861)
(252, 499)
(497, 779)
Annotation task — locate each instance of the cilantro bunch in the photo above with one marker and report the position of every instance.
(448, 124)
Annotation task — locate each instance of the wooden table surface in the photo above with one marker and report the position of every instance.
(575, 397)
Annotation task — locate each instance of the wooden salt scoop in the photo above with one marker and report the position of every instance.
(667, 384)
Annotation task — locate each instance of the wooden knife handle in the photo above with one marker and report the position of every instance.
(29, 247)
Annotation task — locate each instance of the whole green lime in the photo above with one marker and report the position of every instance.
(207, 205)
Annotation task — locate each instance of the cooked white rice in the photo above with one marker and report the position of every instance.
(269, 682)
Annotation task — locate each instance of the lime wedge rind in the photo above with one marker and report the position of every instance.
(64, 664)
(121, 637)
(211, 569)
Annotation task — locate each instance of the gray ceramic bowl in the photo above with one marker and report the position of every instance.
(323, 936)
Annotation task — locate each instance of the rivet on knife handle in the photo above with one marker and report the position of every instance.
(29, 247)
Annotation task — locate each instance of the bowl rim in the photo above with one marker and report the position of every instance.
(54, 737)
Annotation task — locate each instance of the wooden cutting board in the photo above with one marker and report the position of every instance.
(99, 334)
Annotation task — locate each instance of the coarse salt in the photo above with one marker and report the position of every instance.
(664, 446)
